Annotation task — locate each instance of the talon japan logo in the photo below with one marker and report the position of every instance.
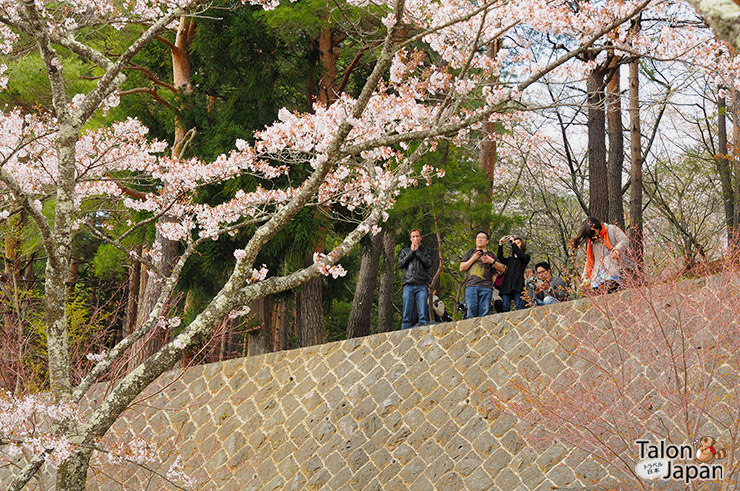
(685, 463)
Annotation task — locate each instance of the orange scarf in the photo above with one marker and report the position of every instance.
(590, 253)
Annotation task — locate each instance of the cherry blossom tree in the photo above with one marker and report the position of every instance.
(360, 153)
(722, 16)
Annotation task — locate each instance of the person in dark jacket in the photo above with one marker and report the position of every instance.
(514, 281)
(415, 261)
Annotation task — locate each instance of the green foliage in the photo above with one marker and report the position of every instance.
(337, 318)
(456, 207)
(28, 86)
(109, 262)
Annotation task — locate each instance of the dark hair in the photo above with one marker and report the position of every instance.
(543, 264)
(414, 230)
(482, 232)
(586, 233)
(523, 248)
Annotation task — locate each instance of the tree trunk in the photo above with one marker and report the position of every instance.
(616, 145)
(311, 329)
(13, 324)
(723, 168)
(151, 292)
(385, 293)
(597, 170)
(284, 323)
(736, 159)
(134, 281)
(636, 161)
(72, 474)
(182, 75)
(360, 314)
(57, 267)
(440, 260)
(260, 340)
(487, 156)
(181, 80)
(328, 56)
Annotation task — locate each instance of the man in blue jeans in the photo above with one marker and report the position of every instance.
(481, 266)
(415, 261)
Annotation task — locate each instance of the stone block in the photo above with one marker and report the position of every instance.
(412, 470)
(363, 476)
(389, 474)
(532, 476)
(512, 442)
(479, 480)
(357, 459)
(421, 434)
(441, 466)
(422, 483)
(561, 475)
(551, 457)
(404, 454)
(450, 482)
(399, 437)
(318, 480)
(496, 462)
(458, 447)
(590, 472)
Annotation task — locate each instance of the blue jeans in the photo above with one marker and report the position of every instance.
(478, 300)
(414, 295)
(518, 301)
(548, 300)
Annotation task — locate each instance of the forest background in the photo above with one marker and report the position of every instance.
(642, 135)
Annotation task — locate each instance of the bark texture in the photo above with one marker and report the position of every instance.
(260, 338)
(723, 167)
(597, 165)
(385, 292)
(616, 145)
(169, 249)
(635, 161)
(360, 315)
(311, 328)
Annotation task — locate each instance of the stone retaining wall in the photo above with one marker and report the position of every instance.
(395, 411)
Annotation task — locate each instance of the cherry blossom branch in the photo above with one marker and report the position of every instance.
(40, 32)
(585, 46)
(30, 470)
(147, 468)
(280, 219)
(38, 217)
(279, 284)
(110, 356)
(455, 20)
(483, 114)
(162, 212)
(132, 384)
